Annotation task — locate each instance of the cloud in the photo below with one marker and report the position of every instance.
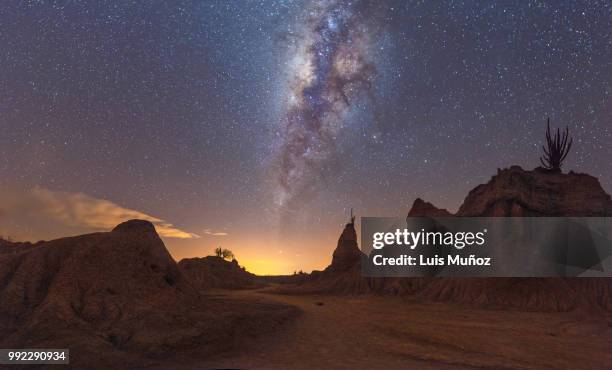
(83, 211)
(215, 233)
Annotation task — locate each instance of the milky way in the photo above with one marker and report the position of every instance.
(330, 66)
(173, 109)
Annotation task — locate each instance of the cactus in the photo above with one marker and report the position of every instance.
(556, 148)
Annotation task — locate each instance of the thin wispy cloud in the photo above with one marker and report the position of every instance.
(215, 233)
(83, 211)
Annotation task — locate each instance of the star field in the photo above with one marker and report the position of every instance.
(179, 109)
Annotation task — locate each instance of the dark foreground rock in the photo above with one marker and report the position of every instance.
(214, 272)
(513, 192)
(117, 299)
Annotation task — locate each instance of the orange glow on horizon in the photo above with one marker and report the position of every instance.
(262, 258)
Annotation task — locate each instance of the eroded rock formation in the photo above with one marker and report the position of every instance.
(215, 272)
(512, 192)
(116, 298)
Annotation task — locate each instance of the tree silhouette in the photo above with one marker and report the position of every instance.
(227, 254)
(556, 148)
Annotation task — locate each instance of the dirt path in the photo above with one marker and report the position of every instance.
(387, 332)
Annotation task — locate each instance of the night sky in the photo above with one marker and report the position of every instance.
(257, 125)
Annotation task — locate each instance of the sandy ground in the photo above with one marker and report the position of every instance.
(387, 332)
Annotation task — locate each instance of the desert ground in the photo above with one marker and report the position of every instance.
(358, 332)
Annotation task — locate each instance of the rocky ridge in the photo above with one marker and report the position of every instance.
(117, 297)
(214, 272)
(513, 192)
